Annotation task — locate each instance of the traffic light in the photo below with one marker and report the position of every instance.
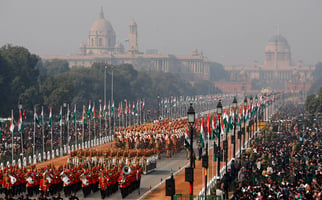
(170, 188)
(189, 174)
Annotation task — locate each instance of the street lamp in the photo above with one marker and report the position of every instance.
(234, 138)
(250, 125)
(191, 120)
(219, 112)
(244, 132)
(256, 101)
(158, 113)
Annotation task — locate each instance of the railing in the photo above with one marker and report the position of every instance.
(195, 197)
(55, 153)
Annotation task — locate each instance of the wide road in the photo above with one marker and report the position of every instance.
(150, 180)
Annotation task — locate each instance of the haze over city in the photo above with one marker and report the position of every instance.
(228, 32)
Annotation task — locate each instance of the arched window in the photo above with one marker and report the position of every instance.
(100, 42)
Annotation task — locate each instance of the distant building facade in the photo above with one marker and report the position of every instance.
(277, 72)
(102, 47)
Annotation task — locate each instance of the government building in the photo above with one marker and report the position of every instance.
(101, 47)
(277, 71)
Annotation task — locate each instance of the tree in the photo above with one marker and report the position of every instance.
(19, 77)
(313, 103)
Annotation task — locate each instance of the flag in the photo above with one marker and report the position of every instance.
(187, 139)
(12, 125)
(109, 109)
(100, 112)
(36, 120)
(60, 117)
(93, 112)
(202, 137)
(240, 116)
(50, 116)
(125, 108)
(133, 108)
(112, 109)
(209, 126)
(83, 115)
(67, 116)
(20, 127)
(89, 112)
(24, 114)
(213, 124)
(143, 105)
(42, 116)
(74, 114)
(104, 110)
(226, 120)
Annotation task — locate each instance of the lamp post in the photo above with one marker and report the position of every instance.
(256, 101)
(112, 99)
(250, 125)
(158, 113)
(100, 101)
(219, 112)
(191, 120)
(62, 136)
(244, 132)
(234, 137)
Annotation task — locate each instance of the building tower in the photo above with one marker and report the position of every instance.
(133, 38)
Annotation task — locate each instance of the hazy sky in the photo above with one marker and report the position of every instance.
(227, 31)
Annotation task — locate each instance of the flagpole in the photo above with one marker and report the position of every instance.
(99, 114)
(51, 132)
(43, 131)
(89, 127)
(125, 113)
(33, 146)
(112, 98)
(61, 132)
(75, 127)
(21, 135)
(94, 122)
(67, 120)
(12, 137)
(83, 133)
(109, 117)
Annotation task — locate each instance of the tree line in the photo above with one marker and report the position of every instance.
(27, 80)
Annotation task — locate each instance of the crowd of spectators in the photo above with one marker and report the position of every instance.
(284, 161)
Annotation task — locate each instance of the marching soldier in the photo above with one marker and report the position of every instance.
(86, 188)
(30, 184)
(103, 185)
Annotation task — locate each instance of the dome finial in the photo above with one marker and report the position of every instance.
(101, 13)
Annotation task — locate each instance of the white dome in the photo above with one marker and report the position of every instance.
(101, 26)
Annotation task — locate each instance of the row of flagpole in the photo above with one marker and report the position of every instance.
(135, 114)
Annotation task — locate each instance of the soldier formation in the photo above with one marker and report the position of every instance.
(136, 151)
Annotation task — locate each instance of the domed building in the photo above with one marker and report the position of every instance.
(278, 44)
(101, 37)
(101, 47)
(277, 71)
